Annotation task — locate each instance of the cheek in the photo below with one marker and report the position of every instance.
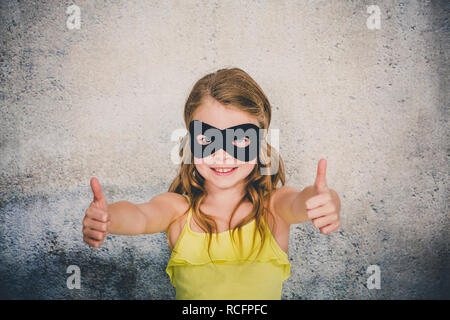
(206, 161)
(247, 168)
(201, 168)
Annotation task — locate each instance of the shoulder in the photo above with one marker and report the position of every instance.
(170, 196)
(279, 198)
(179, 205)
(170, 203)
(278, 226)
(175, 201)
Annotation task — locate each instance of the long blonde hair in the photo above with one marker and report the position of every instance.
(230, 86)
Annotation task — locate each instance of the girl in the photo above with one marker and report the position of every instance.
(225, 192)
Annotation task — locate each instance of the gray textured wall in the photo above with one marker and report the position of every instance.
(104, 99)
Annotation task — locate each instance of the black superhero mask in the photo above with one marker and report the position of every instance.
(241, 142)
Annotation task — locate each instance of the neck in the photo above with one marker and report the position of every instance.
(225, 198)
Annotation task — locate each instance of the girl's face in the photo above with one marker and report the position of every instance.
(222, 116)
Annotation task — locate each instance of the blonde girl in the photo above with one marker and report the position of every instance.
(228, 212)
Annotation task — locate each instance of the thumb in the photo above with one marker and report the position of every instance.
(99, 197)
(321, 182)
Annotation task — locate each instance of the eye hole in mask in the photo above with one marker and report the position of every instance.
(241, 141)
(204, 140)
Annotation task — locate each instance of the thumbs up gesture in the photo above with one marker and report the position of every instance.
(96, 221)
(323, 208)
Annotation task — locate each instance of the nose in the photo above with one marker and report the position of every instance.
(222, 157)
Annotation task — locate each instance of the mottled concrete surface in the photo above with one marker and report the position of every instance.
(103, 101)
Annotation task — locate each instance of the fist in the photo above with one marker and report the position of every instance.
(323, 208)
(96, 221)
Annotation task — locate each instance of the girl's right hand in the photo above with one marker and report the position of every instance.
(96, 221)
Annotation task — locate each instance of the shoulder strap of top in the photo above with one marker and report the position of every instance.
(184, 229)
(187, 198)
(188, 220)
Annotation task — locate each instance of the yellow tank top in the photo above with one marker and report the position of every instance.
(231, 276)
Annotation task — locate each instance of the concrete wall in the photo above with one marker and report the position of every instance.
(104, 99)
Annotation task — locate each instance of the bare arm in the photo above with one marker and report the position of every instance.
(161, 210)
(290, 204)
(126, 218)
(149, 217)
(318, 203)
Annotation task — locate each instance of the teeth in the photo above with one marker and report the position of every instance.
(222, 170)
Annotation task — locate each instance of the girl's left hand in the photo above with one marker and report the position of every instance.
(323, 208)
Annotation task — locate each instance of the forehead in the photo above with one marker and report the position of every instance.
(221, 116)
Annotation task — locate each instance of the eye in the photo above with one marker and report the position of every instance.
(241, 142)
(203, 140)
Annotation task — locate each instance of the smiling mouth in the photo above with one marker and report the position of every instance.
(223, 171)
